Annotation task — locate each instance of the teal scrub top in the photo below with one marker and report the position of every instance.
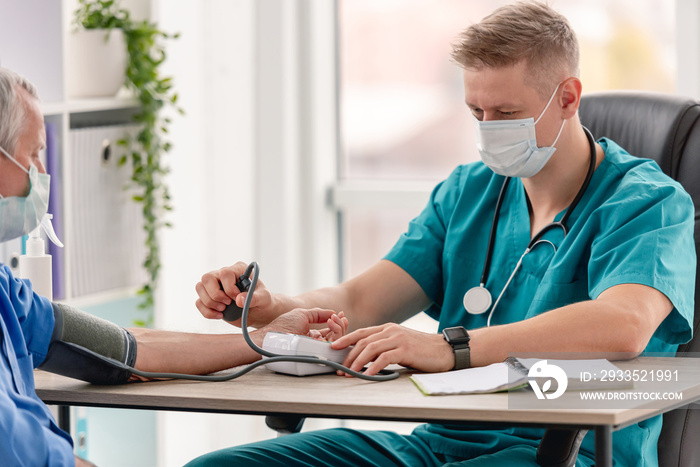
(634, 225)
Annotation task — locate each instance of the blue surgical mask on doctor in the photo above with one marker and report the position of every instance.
(19, 215)
(509, 147)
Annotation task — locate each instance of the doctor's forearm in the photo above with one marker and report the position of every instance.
(362, 308)
(329, 298)
(337, 298)
(384, 293)
(563, 330)
(589, 327)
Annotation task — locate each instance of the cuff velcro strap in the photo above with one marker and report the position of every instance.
(74, 361)
(89, 348)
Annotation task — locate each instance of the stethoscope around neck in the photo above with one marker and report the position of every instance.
(478, 299)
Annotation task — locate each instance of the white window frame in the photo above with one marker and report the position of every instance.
(296, 125)
(688, 47)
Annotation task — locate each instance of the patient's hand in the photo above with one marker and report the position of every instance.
(337, 327)
(300, 321)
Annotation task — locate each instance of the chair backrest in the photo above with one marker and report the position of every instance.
(665, 128)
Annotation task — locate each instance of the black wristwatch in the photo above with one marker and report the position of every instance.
(458, 338)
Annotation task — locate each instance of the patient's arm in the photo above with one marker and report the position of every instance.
(92, 349)
(179, 352)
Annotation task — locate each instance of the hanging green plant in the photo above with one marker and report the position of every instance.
(145, 54)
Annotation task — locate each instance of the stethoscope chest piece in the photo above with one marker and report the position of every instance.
(477, 300)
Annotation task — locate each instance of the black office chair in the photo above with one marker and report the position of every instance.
(665, 128)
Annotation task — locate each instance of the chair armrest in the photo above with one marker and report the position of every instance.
(559, 448)
(285, 424)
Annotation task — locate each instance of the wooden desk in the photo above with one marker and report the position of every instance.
(262, 392)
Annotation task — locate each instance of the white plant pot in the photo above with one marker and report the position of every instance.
(94, 68)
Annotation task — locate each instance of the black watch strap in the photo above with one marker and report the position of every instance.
(458, 338)
(462, 358)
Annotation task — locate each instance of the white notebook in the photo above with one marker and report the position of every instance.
(513, 374)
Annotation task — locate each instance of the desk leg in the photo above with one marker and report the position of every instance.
(603, 446)
(64, 418)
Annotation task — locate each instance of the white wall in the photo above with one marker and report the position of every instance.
(212, 157)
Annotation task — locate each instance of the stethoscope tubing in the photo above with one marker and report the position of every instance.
(537, 238)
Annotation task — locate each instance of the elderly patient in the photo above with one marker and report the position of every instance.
(35, 331)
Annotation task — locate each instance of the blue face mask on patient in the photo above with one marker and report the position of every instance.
(19, 215)
(509, 147)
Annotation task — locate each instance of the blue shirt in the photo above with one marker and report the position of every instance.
(28, 433)
(634, 225)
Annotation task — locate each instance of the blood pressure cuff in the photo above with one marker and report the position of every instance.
(89, 348)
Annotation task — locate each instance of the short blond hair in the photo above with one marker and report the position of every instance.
(530, 31)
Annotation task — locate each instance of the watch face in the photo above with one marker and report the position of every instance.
(456, 334)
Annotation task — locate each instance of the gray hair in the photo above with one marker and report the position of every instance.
(12, 107)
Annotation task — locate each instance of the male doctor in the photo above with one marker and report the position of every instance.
(35, 332)
(620, 280)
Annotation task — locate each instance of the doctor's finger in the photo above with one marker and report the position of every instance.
(382, 361)
(356, 336)
(228, 278)
(371, 352)
(365, 351)
(359, 345)
(260, 299)
(208, 312)
(211, 287)
(215, 304)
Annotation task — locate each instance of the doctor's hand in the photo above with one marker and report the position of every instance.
(213, 300)
(300, 321)
(383, 345)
